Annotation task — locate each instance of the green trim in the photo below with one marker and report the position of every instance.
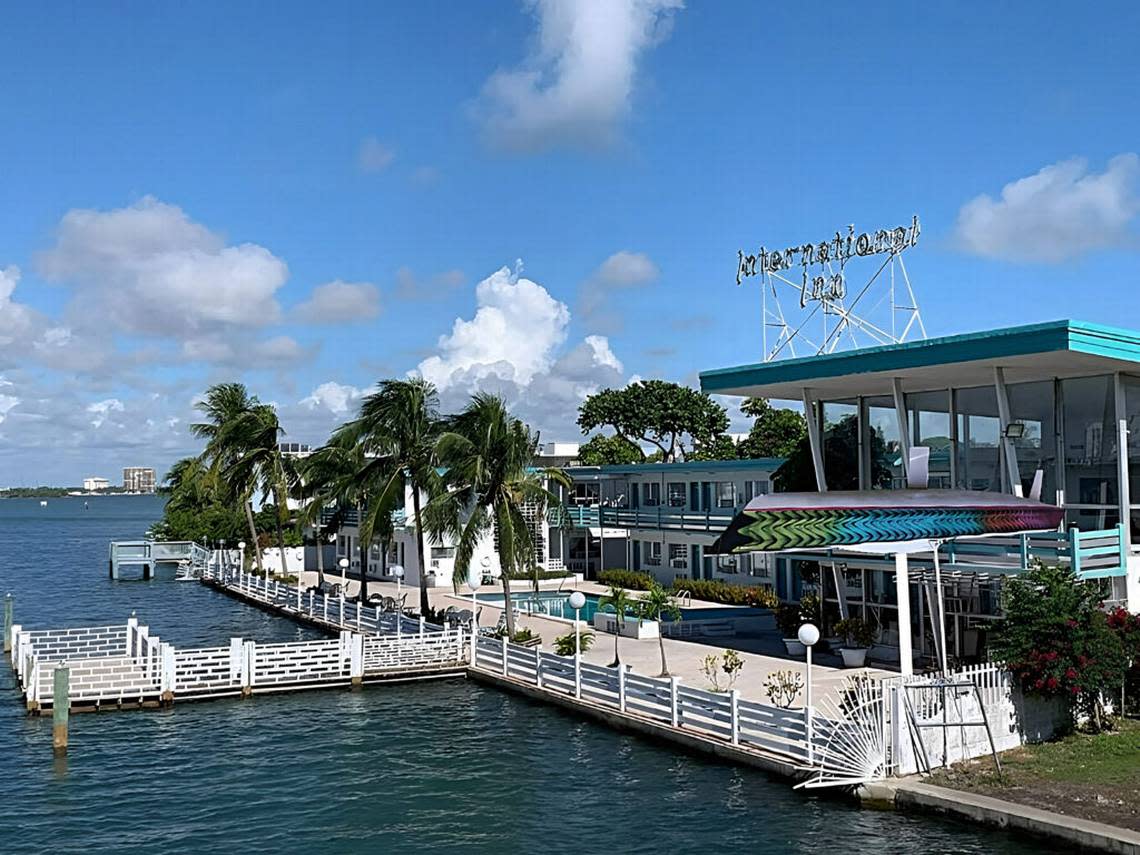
(746, 464)
(1064, 335)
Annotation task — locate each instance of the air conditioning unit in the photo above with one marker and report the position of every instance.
(676, 563)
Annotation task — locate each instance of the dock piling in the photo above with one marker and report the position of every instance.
(60, 707)
(7, 623)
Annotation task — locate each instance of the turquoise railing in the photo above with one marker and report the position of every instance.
(1097, 554)
(659, 518)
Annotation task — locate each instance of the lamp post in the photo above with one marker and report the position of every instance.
(241, 556)
(577, 600)
(808, 636)
(343, 565)
(398, 572)
(474, 579)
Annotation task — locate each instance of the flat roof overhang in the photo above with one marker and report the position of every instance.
(1027, 353)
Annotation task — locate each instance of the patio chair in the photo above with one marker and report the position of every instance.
(465, 618)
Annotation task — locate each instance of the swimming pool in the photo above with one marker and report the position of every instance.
(556, 604)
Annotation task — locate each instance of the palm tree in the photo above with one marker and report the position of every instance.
(255, 461)
(488, 456)
(653, 604)
(222, 405)
(190, 484)
(620, 601)
(399, 425)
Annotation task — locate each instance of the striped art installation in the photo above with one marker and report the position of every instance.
(819, 520)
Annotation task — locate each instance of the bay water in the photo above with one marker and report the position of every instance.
(445, 766)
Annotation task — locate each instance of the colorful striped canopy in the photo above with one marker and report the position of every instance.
(821, 520)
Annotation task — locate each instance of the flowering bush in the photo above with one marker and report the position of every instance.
(1057, 641)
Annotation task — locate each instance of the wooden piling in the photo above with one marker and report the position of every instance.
(60, 707)
(7, 623)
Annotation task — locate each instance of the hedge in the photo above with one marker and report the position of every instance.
(710, 590)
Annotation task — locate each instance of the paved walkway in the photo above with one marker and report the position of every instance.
(763, 654)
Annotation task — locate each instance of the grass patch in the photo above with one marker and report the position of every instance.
(1093, 776)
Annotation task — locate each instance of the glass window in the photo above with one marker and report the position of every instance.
(840, 446)
(725, 494)
(1132, 416)
(676, 493)
(678, 555)
(884, 454)
(438, 552)
(979, 432)
(761, 565)
(929, 414)
(651, 494)
(755, 488)
(1091, 496)
(727, 563)
(653, 553)
(1032, 406)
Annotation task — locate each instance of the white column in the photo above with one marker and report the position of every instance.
(903, 425)
(815, 442)
(902, 592)
(1011, 470)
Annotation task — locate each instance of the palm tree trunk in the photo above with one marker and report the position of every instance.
(253, 535)
(661, 644)
(281, 531)
(508, 605)
(420, 550)
(320, 556)
(363, 557)
(617, 635)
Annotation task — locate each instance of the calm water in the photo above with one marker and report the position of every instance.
(441, 767)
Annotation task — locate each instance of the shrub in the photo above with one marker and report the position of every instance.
(541, 575)
(788, 619)
(782, 687)
(1057, 642)
(857, 631)
(564, 644)
(713, 666)
(632, 579)
(716, 591)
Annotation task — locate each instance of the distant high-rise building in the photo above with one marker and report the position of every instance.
(138, 479)
(93, 484)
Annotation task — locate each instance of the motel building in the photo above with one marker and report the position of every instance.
(994, 408)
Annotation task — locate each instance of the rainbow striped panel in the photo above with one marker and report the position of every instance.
(820, 520)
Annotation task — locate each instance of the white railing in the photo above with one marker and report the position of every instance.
(720, 715)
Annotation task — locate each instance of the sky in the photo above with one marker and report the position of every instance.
(537, 198)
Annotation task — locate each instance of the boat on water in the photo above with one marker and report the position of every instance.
(43, 503)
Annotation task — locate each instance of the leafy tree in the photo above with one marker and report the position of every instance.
(776, 432)
(655, 604)
(840, 461)
(489, 457)
(1056, 640)
(602, 450)
(620, 601)
(656, 412)
(719, 447)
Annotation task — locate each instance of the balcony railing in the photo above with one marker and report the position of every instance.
(657, 518)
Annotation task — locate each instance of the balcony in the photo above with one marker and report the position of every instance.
(654, 518)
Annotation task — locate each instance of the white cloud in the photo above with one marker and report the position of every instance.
(374, 156)
(332, 396)
(17, 322)
(513, 346)
(339, 301)
(1061, 212)
(149, 269)
(621, 271)
(101, 411)
(576, 86)
(272, 353)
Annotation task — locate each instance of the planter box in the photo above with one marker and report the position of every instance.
(631, 628)
(853, 657)
(794, 647)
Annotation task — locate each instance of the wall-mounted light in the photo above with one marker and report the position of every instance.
(1015, 430)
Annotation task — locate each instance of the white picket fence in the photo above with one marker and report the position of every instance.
(726, 716)
(128, 665)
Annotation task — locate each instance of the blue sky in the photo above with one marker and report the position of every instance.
(178, 183)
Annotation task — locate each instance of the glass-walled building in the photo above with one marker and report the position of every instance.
(994, 408)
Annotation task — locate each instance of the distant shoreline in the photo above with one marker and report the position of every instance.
(61, 493)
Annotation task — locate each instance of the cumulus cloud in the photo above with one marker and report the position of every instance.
(338, 302)
(514, 346)
(335, 397)
(576, 86)
(102, 410)
(149, 269)
(621, 271)
(374, 156)
(277, 352)
(409, 286)
(17, 322)
(1062, 212)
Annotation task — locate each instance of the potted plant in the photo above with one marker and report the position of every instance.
(860, 636)
(789, 619)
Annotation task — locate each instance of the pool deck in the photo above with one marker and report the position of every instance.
(761, 655)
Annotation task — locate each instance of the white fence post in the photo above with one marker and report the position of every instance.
(248, 675)
(324, 608)
(578, 674)
(538, 667)
(359, 614)
(167, 680)
(236, 654)
(356, 658)
(674, 707)
(734, 714)
(421, 626)
(474, 641)
(505, 655)
(341, 622)
(132, 623)
(459, 645)
(621, 687)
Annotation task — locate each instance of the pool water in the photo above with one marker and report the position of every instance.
(556, 604)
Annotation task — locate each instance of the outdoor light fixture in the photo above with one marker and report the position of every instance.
(1014, 430)
(808, 636)
(577, 600)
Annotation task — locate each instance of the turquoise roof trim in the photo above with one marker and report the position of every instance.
(759, 463)
(1065, 335)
